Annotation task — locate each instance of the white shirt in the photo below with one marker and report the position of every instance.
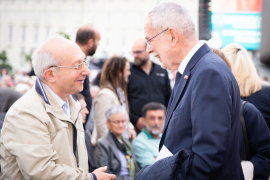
(186, 60)
(64, 105)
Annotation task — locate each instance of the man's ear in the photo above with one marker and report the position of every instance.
(49, 75)
(108, 124)
(173, 36)
(90, 43)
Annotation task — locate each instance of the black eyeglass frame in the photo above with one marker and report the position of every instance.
(137, 52)
(147, 41)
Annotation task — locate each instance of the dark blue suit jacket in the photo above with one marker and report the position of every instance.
(259, 141)
(261, 101)
(203, 117)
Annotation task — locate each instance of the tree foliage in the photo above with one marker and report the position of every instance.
(65, 35)
(4, 61)
(28, 56)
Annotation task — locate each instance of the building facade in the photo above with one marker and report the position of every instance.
(25, 24)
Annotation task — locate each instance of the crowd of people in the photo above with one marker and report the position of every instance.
(213, 114)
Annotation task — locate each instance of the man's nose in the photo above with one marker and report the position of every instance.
(156, 121)
(148, 49)
(85, 71)
(135, 55)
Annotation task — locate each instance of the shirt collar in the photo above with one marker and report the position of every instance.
(56, 97)
(146, 133)
(186, 60)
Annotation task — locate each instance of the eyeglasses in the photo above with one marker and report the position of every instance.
(137, 52)
(118, 122)
(147, 41)
(78, 68)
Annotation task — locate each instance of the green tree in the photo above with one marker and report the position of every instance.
(64, 34)
(4, 61)
(28, 56)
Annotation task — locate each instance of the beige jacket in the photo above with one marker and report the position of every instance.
(37, 140)
(104, 99)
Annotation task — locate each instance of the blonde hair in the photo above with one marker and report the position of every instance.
(222, 56)
(243, 69)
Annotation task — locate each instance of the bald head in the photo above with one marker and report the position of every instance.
(56, 51)
(59, 47)
(140, 43)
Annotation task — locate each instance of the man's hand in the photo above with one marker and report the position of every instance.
(140, 123)
(131, 134)
(101, 175)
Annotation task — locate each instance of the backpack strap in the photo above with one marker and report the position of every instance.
(246, 150)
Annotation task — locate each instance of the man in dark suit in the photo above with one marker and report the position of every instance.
(202, 121)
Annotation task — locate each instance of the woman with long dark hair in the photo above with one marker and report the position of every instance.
(113, 90)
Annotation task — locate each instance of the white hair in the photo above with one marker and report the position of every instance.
(174, 15)
(42, 60)
(114, 109)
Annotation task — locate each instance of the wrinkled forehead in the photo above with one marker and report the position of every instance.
(148, 28)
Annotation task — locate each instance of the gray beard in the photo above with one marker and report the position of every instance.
(149, 129)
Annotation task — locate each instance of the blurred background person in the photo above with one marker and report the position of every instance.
(90, 149)
(113, 150)
(94, 91)
(7, 97)
(252, 88)
(22, 88)
(84, 110)
(6, 82)
(87, 38)
(4, 72)
(148, 82)
(146, 143)
(113, 90)
(258, 136)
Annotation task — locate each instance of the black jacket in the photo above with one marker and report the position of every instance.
(259, 141)
(171, 168)
(261, 100)
(87, 96)
(143, 88)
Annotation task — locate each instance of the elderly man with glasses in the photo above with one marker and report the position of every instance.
(42, 135)
(202, 121)
(148, 82)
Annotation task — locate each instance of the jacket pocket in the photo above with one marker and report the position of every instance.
(178, 111)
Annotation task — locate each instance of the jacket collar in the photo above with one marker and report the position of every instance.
(40, 90)
(54, 108)
(113, 146)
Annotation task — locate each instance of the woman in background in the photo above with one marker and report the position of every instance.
(258, 136)
(113, 90)
(252, 88)
(113, 150)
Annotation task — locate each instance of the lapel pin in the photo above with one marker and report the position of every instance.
(186, 77)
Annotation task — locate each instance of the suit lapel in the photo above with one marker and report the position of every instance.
(177, 95)
(174, 101)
